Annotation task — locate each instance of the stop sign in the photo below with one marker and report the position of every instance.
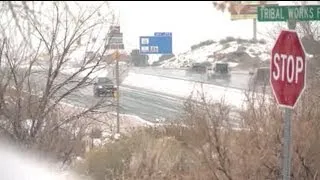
(288, 69)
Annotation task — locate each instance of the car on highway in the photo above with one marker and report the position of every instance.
(259, 77)
(199, 68)
(220, 70)
(104, 86)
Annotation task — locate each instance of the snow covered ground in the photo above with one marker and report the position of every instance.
(184, 89)
(208, 52)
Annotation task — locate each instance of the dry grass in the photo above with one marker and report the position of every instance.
(196, 147)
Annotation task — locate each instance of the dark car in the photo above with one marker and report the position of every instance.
(260, 78)
(104, 86)
(199, 68)
(219, 71)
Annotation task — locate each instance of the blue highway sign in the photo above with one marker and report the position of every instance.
(162, 34)
(161, 44)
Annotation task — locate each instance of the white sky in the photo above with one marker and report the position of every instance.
(189, 22)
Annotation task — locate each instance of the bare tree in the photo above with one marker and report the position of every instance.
(39, 41)
(222, 5)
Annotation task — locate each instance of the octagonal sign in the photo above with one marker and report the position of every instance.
(288, 69)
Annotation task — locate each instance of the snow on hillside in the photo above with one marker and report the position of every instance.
(234, 51)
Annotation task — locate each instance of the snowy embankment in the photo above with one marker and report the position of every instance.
(183, 88)
(220, 51)
(108, 121)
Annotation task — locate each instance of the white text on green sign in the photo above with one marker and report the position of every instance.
(284, 13)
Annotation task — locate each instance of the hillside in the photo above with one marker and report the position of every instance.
(239, 53)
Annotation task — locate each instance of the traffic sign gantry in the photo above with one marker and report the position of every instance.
(288, 69)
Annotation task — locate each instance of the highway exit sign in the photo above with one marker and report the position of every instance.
(285, 13)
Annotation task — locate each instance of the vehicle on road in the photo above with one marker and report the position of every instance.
(219, 70)
(199, 68)
(260, 77)
(104, 86)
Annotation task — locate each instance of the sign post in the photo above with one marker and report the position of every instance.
(116, 43)
(288, 66)
(248, 10)
(287, 78)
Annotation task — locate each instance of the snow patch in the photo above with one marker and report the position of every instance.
(208, 52)
(184, 89)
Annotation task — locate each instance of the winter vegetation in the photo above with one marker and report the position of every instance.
(37, 42)
(202, 144)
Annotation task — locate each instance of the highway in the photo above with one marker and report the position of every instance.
(146, 104)
(149, 105)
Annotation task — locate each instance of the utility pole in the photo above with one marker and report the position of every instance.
(118, 90)
(254, 29)
(116, 44)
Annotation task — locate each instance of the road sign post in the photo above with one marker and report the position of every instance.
(117, 57)
(240, 10)
(286, 160)
(288, 65)
(116, 43)
(287, 78)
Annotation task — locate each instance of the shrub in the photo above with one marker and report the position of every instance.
(262, 41)
(253, 41)
(203, 143)
(227, 39)
(230, 38)
(225, 46)
(201, 44)
(240, 41)
(241, 48)
(223, 41)
(165, 57)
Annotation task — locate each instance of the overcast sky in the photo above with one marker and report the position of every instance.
(189, 22)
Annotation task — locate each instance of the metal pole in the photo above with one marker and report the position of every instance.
(286, 169)
(254, 29)
(286, 163)
(118, 93)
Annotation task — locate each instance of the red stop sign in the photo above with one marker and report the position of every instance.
(288, 69)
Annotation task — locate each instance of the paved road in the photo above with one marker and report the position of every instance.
(144, 103)
(149, 105)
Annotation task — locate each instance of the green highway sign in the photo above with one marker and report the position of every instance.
(284, 13)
